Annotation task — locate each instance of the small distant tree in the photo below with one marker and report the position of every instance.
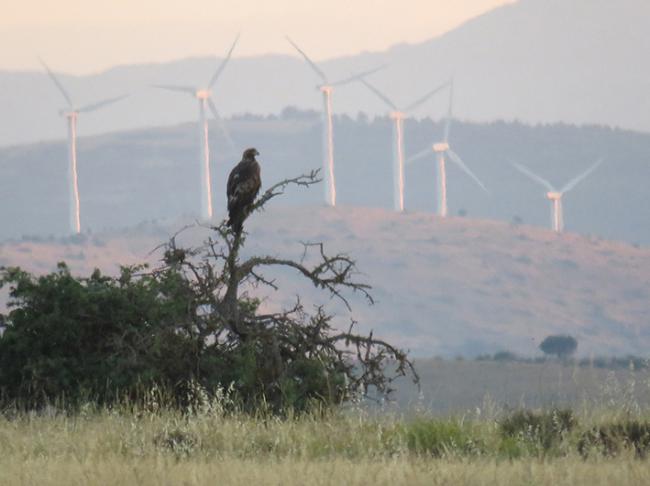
(560, 346)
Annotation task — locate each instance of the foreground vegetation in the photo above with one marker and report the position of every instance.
(207, 445)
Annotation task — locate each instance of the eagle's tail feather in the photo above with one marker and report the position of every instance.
(236, 219)
(236, 223)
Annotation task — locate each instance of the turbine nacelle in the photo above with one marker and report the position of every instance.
(203, 94)
(68, 113)
(397, 115)
(554, 196)
(440, 147)
(325, 88)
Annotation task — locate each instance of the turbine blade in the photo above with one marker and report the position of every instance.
(309, 61)
(381, 95)
(58, 84)
(181, 89)
(456, 158)
(424, 98)
(100, 104)
(577, 180)
(531, 175)
(222, 66)
(357, 76)
(419, 155)
(221, 124)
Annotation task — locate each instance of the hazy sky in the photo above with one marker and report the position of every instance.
(82, 36)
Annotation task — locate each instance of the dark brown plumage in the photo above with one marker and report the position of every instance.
(243, 185)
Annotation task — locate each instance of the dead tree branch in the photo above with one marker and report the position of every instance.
(305, 180)
(293, 341)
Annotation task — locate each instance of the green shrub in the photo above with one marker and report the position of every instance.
(440, 437)
(104, 339)
(543, 430)
(611, 439)
(91, 338)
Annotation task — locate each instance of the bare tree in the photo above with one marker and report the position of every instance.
(295, 357)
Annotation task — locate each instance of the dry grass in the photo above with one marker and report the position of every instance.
(125, 447)
(166, 471)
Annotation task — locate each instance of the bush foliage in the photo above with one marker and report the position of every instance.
(94, 338)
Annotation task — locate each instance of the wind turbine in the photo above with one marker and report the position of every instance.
(328, 130)
(398, 115)
(555, 196)
(441, 149)
(204, 97)
(72, 114)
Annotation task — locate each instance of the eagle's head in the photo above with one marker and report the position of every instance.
(250, 153)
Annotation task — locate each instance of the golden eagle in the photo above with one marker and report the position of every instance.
(243, 185)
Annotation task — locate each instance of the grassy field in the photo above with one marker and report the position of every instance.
(349, 447)
(226, 471)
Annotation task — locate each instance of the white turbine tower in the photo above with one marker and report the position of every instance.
(555, 196)
(328, 130)
(398, 115)
(72, 114)
(441, 149)
(204, 97)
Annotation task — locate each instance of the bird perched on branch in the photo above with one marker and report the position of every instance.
(243, 185)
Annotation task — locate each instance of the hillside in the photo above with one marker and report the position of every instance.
(129, 177)
(572, 61)
(442, 287)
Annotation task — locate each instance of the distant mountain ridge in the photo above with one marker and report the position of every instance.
(538, 61)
